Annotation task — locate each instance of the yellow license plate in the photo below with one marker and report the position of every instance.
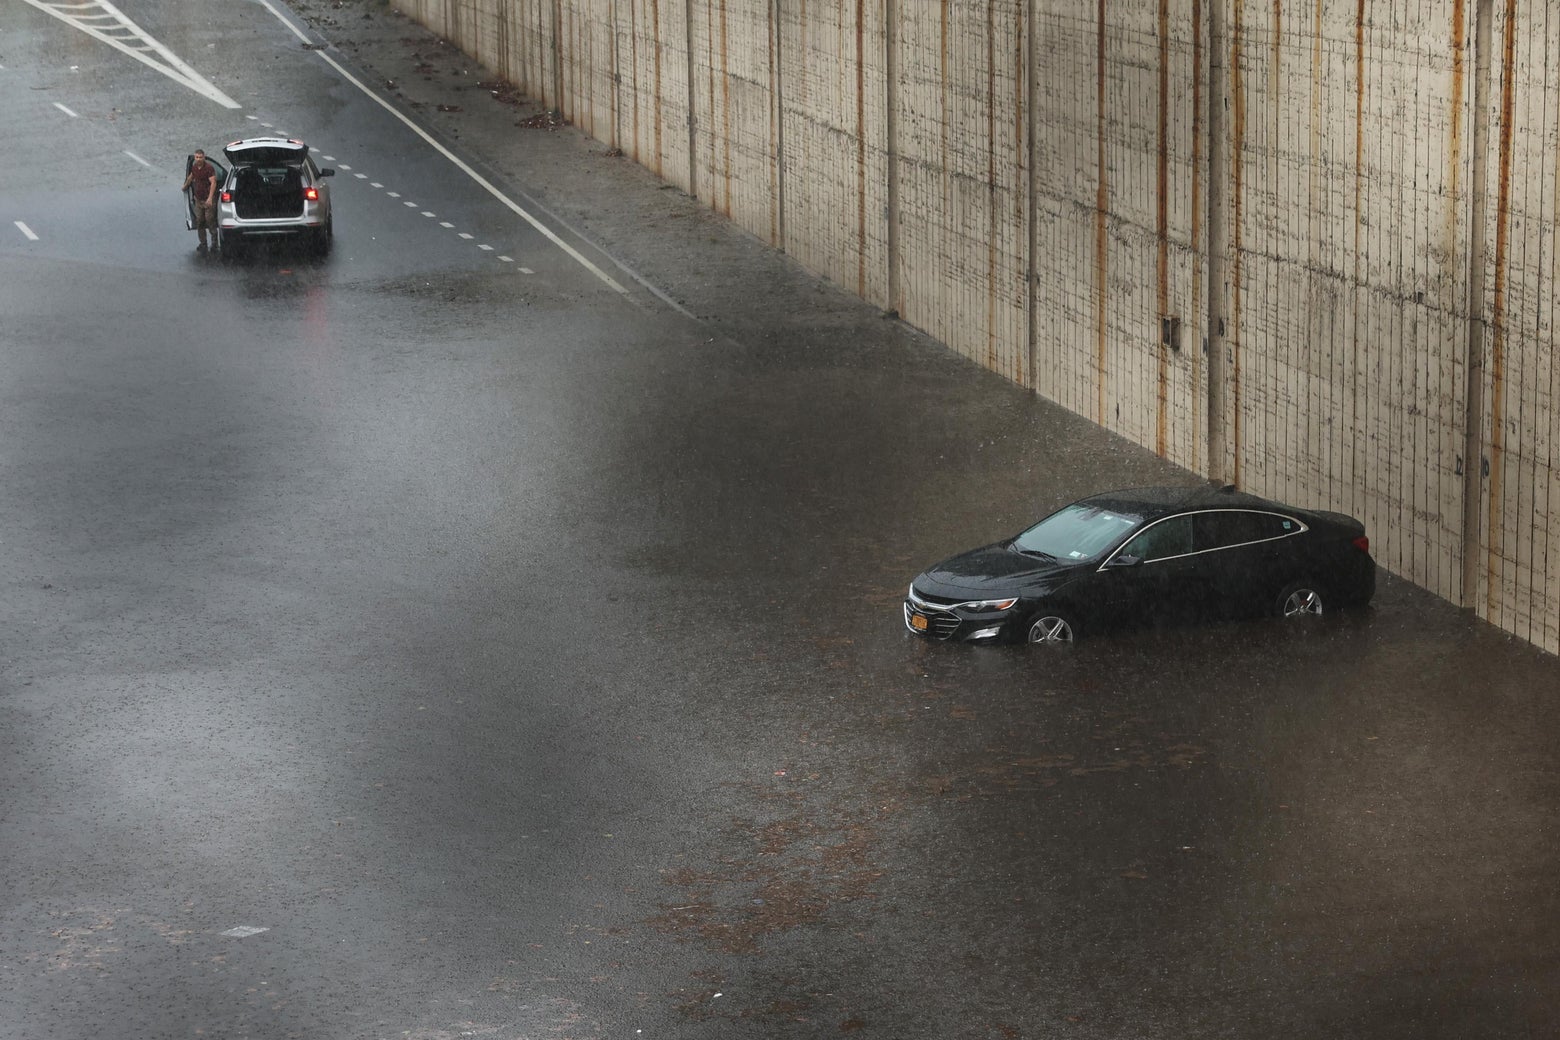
(918, 622)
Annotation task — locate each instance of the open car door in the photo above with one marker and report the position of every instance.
(217, 170)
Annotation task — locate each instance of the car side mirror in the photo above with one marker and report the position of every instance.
(328, 172)
(1126, 560)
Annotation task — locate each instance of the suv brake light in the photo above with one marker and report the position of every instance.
(227, 196)
(1362, 543)
(312, 194)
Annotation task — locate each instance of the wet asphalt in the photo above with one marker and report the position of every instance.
(505, 655)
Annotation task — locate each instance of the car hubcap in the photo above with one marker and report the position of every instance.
(1302, 601)
(1050, 629)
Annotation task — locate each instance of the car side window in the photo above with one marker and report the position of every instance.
(1221, 529)
(1161, 540)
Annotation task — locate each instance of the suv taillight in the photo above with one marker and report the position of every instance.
(1362, 543)
(227, 196)
(312, 194)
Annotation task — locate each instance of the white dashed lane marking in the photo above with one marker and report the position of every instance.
(138, 159)
(429, 214)
(24, 229)
(67, 111)
(244, 931)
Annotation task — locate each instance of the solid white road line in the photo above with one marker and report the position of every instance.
(31, 237)
(552, 237)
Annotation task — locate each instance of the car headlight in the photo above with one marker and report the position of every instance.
(985, 606)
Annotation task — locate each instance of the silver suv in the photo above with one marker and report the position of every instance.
(273, 188)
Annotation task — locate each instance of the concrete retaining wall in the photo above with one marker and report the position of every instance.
(1307, 247)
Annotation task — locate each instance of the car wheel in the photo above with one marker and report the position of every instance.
(231, 246)
(1052, 626)
(1299, 599)
(321, 243)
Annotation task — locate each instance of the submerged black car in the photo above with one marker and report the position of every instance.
(1144, 555)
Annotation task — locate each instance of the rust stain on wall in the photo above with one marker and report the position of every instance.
(775, 115)
(1355, 376)
(725, 102)
(655, 35)
(992, 224)
(861, 149)
(697, 124)
(501, 52)
(1237, 197)
(945, 84)
(1162, 229)
(1101, 201)
(1454, 143)
(1495, 538)
(633, 60)
(1198, 246)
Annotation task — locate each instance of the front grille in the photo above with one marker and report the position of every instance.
(941, 624)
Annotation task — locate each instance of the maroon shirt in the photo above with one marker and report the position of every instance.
(200, 181)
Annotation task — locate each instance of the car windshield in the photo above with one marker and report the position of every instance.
(1077, 532)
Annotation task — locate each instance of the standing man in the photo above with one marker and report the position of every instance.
(202, 184)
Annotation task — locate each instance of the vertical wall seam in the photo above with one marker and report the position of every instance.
(861, 149)
(1473, 406)
(1237, 146)
(1162, 234)
(1218, 241)
(1199, 247)
(891, 152)
(781, 155)
(689, 104)
(1027, 186)
(1495, 539)
(1101, 201)
(993, 238)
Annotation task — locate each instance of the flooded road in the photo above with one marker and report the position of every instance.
(419, 643)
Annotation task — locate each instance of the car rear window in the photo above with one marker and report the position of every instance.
(1223, 528)
(270, 178)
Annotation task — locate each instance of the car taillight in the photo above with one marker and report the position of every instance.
(227, 196)
(1362, 543)
(312, 194)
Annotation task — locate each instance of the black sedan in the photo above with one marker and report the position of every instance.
(1145, 555)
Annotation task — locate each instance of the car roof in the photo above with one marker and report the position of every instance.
(1154, 502)
(265, 150)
